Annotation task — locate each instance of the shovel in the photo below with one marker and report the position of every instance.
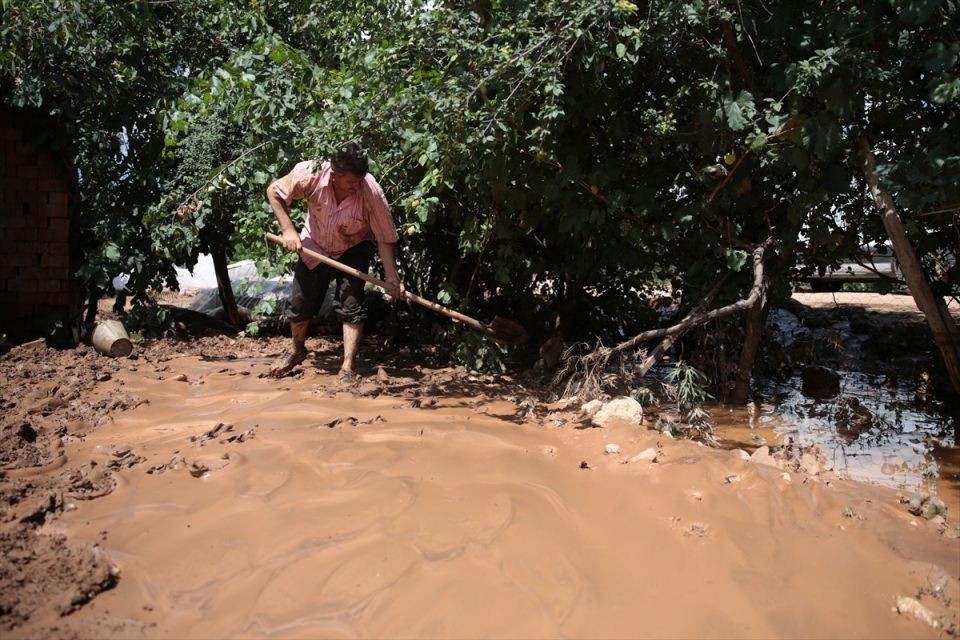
(500, 330)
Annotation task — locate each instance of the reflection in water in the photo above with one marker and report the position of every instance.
(875, 430)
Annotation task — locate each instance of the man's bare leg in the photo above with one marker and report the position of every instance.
(351, 342)
(286, 363)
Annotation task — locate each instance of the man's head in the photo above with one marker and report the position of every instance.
(349, 165)
(350, 158)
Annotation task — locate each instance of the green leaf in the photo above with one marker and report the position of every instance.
(739, 111)
(946, 91)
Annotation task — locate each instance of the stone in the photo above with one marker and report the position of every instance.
(820, 382)
(647, 455)
(590, 408)
(611, 449)
(622, 409)
(762, 456)
(810, 464)
(933, 507)
(912, 607)
(743, 455)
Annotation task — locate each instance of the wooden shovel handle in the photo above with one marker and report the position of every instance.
(429, 304)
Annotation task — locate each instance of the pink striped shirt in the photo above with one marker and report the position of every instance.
(331, 228)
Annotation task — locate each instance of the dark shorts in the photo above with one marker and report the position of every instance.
(310, 287)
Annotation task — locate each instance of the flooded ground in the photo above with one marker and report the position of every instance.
(180, 494)
(908, 442)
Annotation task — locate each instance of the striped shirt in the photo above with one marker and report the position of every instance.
(331, 228)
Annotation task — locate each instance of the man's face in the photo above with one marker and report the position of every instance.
(345, 183)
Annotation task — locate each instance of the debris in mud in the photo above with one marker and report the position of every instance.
(241, 437)
(90, 482)
(173, 465)
(922, 504)
(124, 459)
(912, 606)
(40, 573)
(203, 467)
(820, 382)
(350, 420)
(852, 418)
(808, 460)
(212, 434)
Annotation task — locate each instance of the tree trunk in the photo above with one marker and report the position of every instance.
(756, 318)
(941, 325)
(230, 312)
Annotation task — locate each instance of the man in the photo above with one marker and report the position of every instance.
(346, 214)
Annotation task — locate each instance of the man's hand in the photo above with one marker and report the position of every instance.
(291, 241)
(395, 288)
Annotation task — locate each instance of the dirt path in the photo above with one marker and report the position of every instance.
(421, 504)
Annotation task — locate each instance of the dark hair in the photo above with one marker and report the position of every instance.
(350, 158)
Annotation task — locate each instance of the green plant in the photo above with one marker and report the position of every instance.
(474, 352)
(687, 386)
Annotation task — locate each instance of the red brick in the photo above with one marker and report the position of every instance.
(26, 171)
(49, 286)
(57, 248)
(22, 259)
(54, 301)
(52, 273)
(58, 197)
(25, 285)
(30, 273)
(58, 229)
(52, 184)
(13, 134)
(28, 234)
(54, 210)
(55, 261)
(15, 221)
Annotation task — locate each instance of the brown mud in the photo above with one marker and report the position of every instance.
(181, 493)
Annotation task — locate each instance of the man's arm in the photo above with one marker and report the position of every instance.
(291, 239)
(388, 256)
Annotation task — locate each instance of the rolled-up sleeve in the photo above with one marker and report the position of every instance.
(297, 184)
(381, 221)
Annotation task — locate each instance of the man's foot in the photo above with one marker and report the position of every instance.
(347, 378)
(285, 364)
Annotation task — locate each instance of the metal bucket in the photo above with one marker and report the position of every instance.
(110, 338)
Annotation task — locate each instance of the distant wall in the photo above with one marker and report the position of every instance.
(36, 284)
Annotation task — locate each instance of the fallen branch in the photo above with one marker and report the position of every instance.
(585, 374)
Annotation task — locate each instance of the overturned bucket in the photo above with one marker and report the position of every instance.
(110, 338)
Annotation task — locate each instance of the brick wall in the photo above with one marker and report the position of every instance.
(36, 284)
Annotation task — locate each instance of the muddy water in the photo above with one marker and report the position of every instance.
(450, 520)
(910, 443)
(907, 448)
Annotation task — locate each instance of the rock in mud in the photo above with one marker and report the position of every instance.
(852, 418)
(622, 409)
(647, 455)
(912, 607)
(762, 456)
(820, 382)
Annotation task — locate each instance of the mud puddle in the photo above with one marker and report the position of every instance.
(881, 428)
